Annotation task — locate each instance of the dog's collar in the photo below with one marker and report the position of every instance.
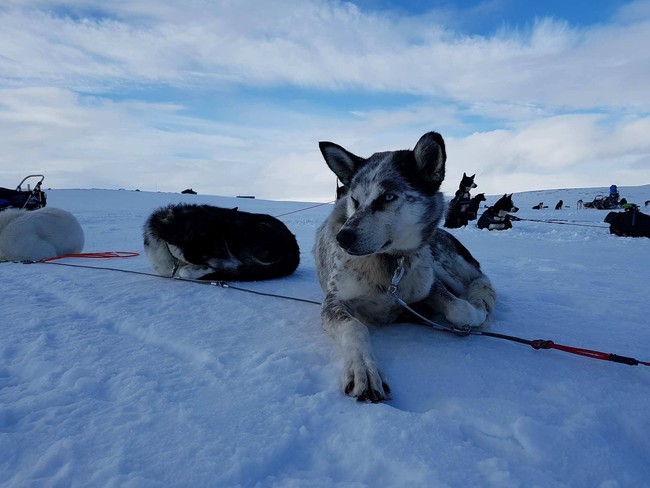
(460, 330)
(177, 261)
(397, 276)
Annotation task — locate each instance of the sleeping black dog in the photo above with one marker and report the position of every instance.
(211, 243)
(630, 223)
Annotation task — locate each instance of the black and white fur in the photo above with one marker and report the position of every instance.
(211, 243)
(391, 210)
(472, 209)
(457, 215)
(496, 217)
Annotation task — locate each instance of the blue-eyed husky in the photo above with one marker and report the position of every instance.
(388, 218)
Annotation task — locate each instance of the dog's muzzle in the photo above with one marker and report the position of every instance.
(349, 241)
(346, 238)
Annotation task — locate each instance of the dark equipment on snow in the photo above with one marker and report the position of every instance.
(28, 199)
(601, 202)
(631, 223)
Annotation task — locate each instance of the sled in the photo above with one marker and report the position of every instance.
(24, 198)
(602, 202)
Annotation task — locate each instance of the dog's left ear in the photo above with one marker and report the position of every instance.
(342, 162)
(430, 157)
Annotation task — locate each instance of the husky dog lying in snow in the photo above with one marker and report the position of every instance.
(496, 217)
(388, 218)
(31, 235)
(211, 243)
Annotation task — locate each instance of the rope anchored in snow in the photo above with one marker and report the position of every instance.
(304, 209)
(129, 254)
(462, 331)
(94, 255)
(556, 221)
(466, 330)
(546, 344)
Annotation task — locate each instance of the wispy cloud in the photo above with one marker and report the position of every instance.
(75, 78)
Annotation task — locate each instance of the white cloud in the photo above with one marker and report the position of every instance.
(325, 45)
(555, 152)
(567, 106)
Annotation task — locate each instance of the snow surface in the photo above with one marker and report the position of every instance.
(116, 379)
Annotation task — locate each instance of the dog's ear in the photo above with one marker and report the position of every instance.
(430, 157)
(342, 162)
(473, 176)
(464, 175)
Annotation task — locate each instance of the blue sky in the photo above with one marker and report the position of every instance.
(232, 97)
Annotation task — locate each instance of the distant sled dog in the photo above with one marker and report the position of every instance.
(497, 216)
(631, 223)
(457, 214)
(32, 235)
(211, 243)
(390, 215)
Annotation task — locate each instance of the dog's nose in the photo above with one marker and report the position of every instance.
(346, 238)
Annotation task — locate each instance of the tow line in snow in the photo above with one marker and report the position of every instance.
(466, 330)
(557, 221)
(461, 331)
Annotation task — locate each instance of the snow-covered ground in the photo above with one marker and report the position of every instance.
(116, 379)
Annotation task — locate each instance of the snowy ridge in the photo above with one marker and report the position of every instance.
(114, 379)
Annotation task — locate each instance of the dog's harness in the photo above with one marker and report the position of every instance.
(461, 201)
(495, 219)
(460, 330)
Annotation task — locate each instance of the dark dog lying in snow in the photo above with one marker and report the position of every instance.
(630, 223)
(496, 217)
(211, 243)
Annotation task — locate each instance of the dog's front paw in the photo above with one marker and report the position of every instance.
(362, 380)
(193, 271)
(462, 312)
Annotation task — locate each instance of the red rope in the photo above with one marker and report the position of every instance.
(544, 344)
(604, 356)
(95, 255)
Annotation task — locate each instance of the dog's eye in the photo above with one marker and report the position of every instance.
(389, 197)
